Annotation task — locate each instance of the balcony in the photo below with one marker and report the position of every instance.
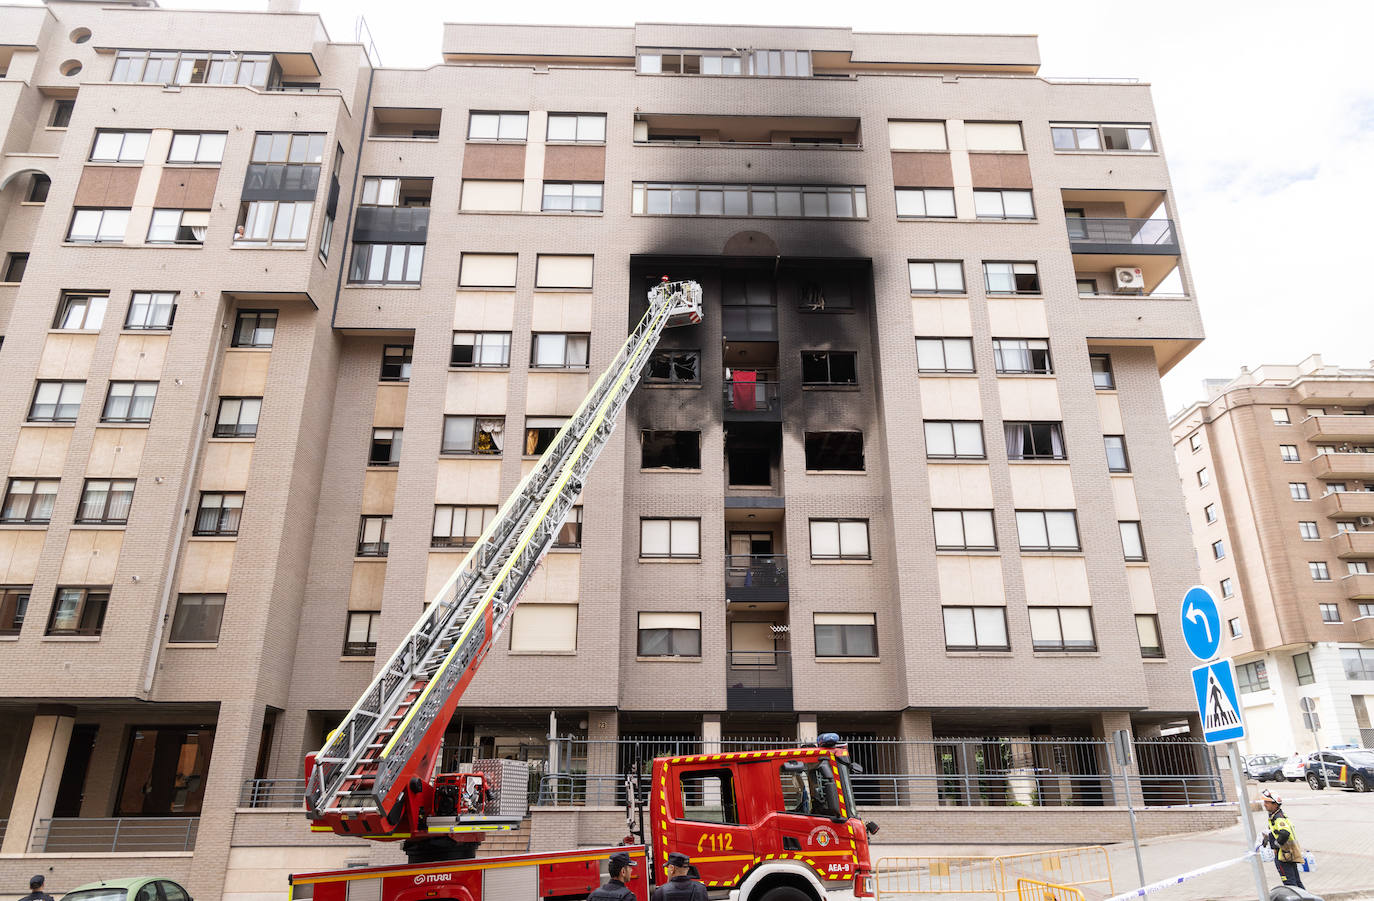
(280, 794)
(1354, 545)
(1344, 466)
(1346, 504)
(1321, 429)
(1346, 392)
(1150, 236)
(758, 681)
(391, 224)
(752, 401)
(113, 835)
(1359, 586)
(745, 132)
(756, 578)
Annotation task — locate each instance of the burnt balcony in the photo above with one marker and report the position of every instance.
(758, 680)
(1347, 504)
(1124, 236)
(1344, 466)
(1359, 586)
(1354, 545)
(751, 400)
(756, 578)
(1353, 428)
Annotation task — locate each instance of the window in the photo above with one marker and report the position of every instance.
(360, 633)
(485, 195)
(1298, 491)
(1101, 137)
(835, 451)
(396, 360)
(29, 500)
(1358, 663)
(1218, 549)
(120, 146)
(387, 264)
(1022, 355)
(56, 401)
(1195, 442)
(575, 197)
(1035, 441)
(480, 349)
(15, 264)
(386, 448)
(975, 629)
(14, 604)
(78, 611)
(1308, 531)
(1209, 512)
(846, 634)
(1062, 629)
(1319, 571)
(557, 350)
(1279, 415)
(993, 135)
(1102, 377)
(1003, 205)
(1332, 488)
(1117, 461)
(181, 226)
(197, 147)
(171, 67)
(1204, 477)
(80, 311)
(1227, 588)
(1359, 568)
(936, 276)
(62, 113)
(954, 440)
(1047, 530)
(238, 417)
(569, 535)
(1087, 287)
(98, 226)
(670, 449)
(964, 530)
(1302, 666)
(459, 526)
(1345, 526)
(498, 126)
(473, 435)
(679, 367)
(765, 201)
(487, 270)
(1132, 542)
(829, 367)
(839, 539)
(1011, 278)
(255, 328)
(540, 432)
(670, 538)
(1289, 453)
(1251, 677)
(331, 205)
(1147, 630)
(372, 536)
(669, 635)
(129, 402)
(944, 354)
(198, 618)
(1233, 627)
(563, 271)
(916, 135)
(219, 513)
(544, 629)
(39, 185)
(151, 310)
(277, 222)
(925, 203)
(584, 128)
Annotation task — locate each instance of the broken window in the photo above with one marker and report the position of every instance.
(829, 367)
(835, 451)
(674, 366)
(670, 449)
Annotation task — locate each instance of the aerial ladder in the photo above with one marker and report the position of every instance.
(375, 775)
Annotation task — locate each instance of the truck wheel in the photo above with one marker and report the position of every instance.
(1314, 783)
(785, 893)
(1359, 784)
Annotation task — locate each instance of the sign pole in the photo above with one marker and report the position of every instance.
(1121, 740)
(1251, 839)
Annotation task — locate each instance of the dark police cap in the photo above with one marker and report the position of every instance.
(621, 859)
(679, 859)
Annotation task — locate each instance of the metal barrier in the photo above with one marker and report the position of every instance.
(1002, 877)
(900, 876)
(272, 793)
(1034, 890)
(1073, 867)
(103, 835)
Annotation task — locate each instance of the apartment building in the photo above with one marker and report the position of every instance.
(1277, 467)
(283, 328)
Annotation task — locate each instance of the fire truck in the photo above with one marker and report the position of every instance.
(767, 825)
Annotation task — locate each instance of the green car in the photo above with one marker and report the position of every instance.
(137, 888)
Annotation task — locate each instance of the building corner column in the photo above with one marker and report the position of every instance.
(35, 794)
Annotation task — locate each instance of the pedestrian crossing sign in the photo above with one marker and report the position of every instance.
(1218, 703)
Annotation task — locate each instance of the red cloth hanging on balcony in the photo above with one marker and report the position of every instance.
(742, 387)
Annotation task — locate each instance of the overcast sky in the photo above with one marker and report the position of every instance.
(1265, 109)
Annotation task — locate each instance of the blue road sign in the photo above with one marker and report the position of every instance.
(1218, 703)
(1201, 623)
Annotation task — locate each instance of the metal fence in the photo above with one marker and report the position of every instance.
(104, 835)
(1140, 232)
(1000, 878)
(262, 794)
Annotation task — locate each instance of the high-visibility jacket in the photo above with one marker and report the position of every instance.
(1285, 837)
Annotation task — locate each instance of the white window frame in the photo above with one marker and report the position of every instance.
(202, 152)
(594, 124)
(1003, 203)
(933, 355)
(120, 146)
(1034, 524)
(992, 619)
(110, 225)
(952, 530)
(501, 126)
(848, 537)
(916, 203)
(681, 537)
(936, 276)
(961, 431)
(490, 350)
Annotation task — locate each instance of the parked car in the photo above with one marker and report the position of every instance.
(1264, 767)
(1295, 767)
(1353, 769)
(137, 888)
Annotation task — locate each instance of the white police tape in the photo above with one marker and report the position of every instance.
(1182, 877)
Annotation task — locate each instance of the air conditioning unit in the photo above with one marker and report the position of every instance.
(1367, 520)
(1129, 279)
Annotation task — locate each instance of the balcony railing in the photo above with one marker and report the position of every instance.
(758, 680)
(1344, 465)
(391, 224)
(1122, 236)
(279, 794)
(373, 548)
(360, 649)
(108, 835)
(753, 400)
(756, 578)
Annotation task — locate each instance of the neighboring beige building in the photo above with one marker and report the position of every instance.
(1277, 468)
(242, 264)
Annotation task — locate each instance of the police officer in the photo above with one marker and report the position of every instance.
(1283, 838)
(36, 892)
(621, 870)
(681, 886)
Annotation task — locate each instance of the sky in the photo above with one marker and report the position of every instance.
(1265, 112)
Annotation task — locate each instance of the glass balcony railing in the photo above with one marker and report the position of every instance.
(1122, 235)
